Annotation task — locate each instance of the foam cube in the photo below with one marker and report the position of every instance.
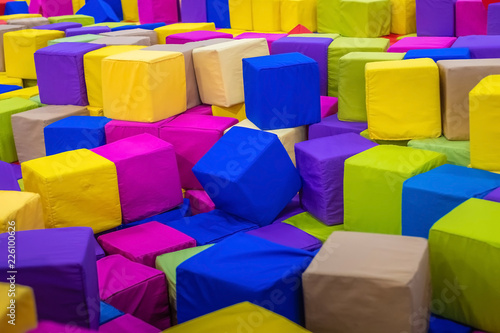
(470, 18)
(481, 47)
(331, 125)
(219, 70)
(18, 301)
(25, 93)
(399, 108)
(269, 37)
(61, 26)
(8, 179)
(329, 106)
(192, 137)
(29, 22)
(203, 109)
(74, 132)
(82, 19)
(352, 91)
(20, 211)
(268, 266)
(417, 43)
(493, 22)
(240, 14)
(218, 13)
(3, 30)
(93, 70)
(20, 47)
(439, 54)
(295, 12)
(135, 289)
(157, 88)
(129, 40)
(9, 107)
(287, 235)
(76, 176)
(86, 31)
(484, 100)
(4, 79)
(152, 11)
(153, 38)
(374, 179)
(321, 165)
(127, 323)
(16, 7)
(200, 201)
(237, 111)
(344, 284)
(457, 152)
(99, 10)
(288, 136)
(344, 45)
(365, 18)
(176, 28)
(195, 36)
(148, 178)
(75, 39)
(441, 325)
(65, 286)
(194, 11)
(273, 100)
(403, 18)
(459, 254)
(117, 129)
(46, 326)
(266, 15)
(50, 8)
(108, 313)
(314, 48)
(311, 225)
(435, 17)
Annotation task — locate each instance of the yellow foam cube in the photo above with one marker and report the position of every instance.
(144, 86)
(95, 111)
(25, 93)
(92, 62)
(484, 103)
(177, 28)
(266, 15)
(18, 16)
(130, 10)
(20, 47)
(402, 99)
(234, 32)
(77, 4)
(240, 14)
(78, 188)
(403, 17)
(25, 308)
(15, 81)
(24, 208)
(236, 111)
(295, 12)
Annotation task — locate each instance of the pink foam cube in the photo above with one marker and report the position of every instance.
(127, 324)
(200, 201)
(329, 106)
(144, 242)
(202, 109)
(195, 36)
(192, 136)
(153, 11)
(417, 43)
(148, 178)
(49, 8)
(51, 327)
(269, 37)
(470, 18)
(135, 289)
(120, 129)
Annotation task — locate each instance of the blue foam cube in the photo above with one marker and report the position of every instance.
(218, 12)
(116, 5)
(439, 54)
(282, 90)
(441, 325)
(108, 313)
(430, 196)
(75, 132)
(248, 173)
(146, 26)
(242, 268)
(100, 10)
(16, 7)
(5, 88)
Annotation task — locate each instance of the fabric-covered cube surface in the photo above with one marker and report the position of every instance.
(127, 323)
(59, 264)
(3, 30)
(403, 18)
(287, 235)
(152, 11)
(8, 179)
(75, 39)
(282, 91)
(108, 313)
(83, 19)
(333, 126)
(177, 28)
(138, 32)
(266, 15)
(373, 184)
(240, 14)
(119, 129)
(60, 73)
(402, 99)
(249, 174)
(365, 18)
(321, 166)
(237, 111)
(192, 136)
(148, 178)
(471, 16)
(417, 43)
(152, 82)
(430, 196)
(133, 288)
(20, 47)
(61, 26)
(200, 201)
(269, 37)
(195, 36)
(143, 243)
(86, 30)
(363, 282)
(481, 47)
(439, 54)
(435, 17)
(9, 107)
(352, 93)
(127, 40)
(268, 266)
(219, 70)
(493, 23)
(20, 211)
(23, 307)
(78, 188)
(461, 253)
(457, 152)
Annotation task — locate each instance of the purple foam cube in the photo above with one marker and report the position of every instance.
(60, 265)
(87, 30)
(292, 208)
(8, 181)
(435, 17)
(271, 38)
(59, 69)
(196, 36)
(312, 47)
(61, 26)
(481, 47)
(493, 21)
(288, 235)
(193, 11)
(493, 195)
(419, 43)
(333, 126)
(321, 166)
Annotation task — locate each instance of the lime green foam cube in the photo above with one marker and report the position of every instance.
(366, 135)
(83, 19)
(345, 45)
(457, 152)
(75, 39)
(314, 227)
(352, 92)
(373, 186)
(464, 249)
(365, 18)
(328, 14)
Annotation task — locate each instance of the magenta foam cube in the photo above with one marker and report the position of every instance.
(154, 11)
(418, 43)
(144, 242)
(120, 129)
(195, 36)
(148, 179)
(271, 38)
(329, 106)
(200, 201)
(192, 136)
(136, 289)
(127, 323)
(470, 18)
(202, 109)
(46, 326)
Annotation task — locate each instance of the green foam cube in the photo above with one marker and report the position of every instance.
(75, 39)
(457, 152)
(365, 18)
(83, 19)
(314, 227)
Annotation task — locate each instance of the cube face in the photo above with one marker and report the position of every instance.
(417, 43)
(374, 179)
(151, 11)
(457, 152)
(3, 30)
(128, 40)
(266, 15)
(69, 177)
(439, 54)
(333, 126)
(481, 47)
(24, 307)
(195, 36)
(200, 201)
(82, 19)
(128, 322)
(86, 31)
(61, 26)
(435, 18)
(493, 24)
(298, 12)
(236, 111)
(458, 251)
(118, 129)
(22, 207)
(75, 39)
(365, 18)
(138, 32)
(403, 20)
(373, 265)
(282, 91)
(471, 16)
(177, 28)
(270, 37)
(20, 47)
(288, 235)
(412, 111)
(244, 181)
